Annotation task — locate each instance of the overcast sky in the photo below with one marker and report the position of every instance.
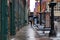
(32, 5)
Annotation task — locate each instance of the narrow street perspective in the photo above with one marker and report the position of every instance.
(29, 19)
(28, 33)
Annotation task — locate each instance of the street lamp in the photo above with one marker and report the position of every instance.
(40, 13)
(52, 31)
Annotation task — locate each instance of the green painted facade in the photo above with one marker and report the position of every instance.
(17, 17)
(3, 20)
(19, 14)
(12, 18)
(0, 19)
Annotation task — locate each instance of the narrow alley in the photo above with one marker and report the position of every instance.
(29, 19)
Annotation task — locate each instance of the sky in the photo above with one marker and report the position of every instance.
(32, 5)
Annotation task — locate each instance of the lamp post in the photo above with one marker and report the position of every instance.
(52, 31)
(40, 13)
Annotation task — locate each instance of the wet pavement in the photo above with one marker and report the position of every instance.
(28, 33)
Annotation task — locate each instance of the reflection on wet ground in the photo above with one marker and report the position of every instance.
(27, 33)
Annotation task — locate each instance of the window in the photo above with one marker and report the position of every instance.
(56, 8)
